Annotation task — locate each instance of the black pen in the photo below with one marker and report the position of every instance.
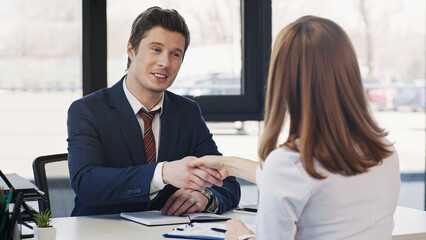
(183, 228)
(246, 209)
(218, 230)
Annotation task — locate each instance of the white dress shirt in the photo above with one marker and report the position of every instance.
(157, 180)
(294, 205)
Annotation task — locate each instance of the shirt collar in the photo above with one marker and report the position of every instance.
(136, 105)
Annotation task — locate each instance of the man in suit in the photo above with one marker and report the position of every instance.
(129, 144)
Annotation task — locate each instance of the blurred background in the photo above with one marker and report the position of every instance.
(41, 70)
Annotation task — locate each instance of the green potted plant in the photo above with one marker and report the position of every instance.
(44, 230)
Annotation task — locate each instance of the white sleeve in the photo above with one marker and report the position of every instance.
(157, 181)
(284, 191)
(259, 176)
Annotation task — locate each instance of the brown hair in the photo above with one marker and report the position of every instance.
(314, 77)
(169, 19)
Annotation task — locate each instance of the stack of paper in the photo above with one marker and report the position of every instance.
(198, 231)
(201, 231)
(155, 218)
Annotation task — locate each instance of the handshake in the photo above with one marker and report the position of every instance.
(193, 173)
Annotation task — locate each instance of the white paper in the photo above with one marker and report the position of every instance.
(152, 218)
(203, 229)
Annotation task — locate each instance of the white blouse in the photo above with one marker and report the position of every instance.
(294, 205)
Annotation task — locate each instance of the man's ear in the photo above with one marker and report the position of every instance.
(130, 51)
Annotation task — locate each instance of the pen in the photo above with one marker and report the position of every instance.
(184, 227)
(2, 204)
(218, 230)
(6, 210)
(9, 198)
(254, 210)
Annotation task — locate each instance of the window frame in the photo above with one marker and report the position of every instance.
(94, 46)
(256, 44)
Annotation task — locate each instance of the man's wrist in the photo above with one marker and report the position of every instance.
(162, 172)
(208, 196)
(157, 182)
(213, 203)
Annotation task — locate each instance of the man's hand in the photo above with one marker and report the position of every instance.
(227, 166)
(183, 201)
(178, 174)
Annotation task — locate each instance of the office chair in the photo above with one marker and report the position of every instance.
(52, 177)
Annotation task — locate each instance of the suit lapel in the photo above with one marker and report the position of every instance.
(170, 122)
(126, 119)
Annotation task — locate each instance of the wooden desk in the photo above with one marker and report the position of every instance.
(409, 224)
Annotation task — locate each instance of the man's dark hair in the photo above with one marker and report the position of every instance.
(169, 19)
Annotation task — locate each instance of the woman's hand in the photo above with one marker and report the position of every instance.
(227, 166)
(210, 162)
(235, 228)
(178, 174)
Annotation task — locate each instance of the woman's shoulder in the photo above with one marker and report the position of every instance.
(391, 147)
(282, 157)
(283, 166)
(283, 152)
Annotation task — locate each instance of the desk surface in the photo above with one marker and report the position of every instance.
(409, 224)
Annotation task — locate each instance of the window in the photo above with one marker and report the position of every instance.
(40, 65)
(389, 40)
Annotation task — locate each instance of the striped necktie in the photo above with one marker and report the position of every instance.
(148, 136)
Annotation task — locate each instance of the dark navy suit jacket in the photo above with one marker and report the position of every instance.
(107, 164)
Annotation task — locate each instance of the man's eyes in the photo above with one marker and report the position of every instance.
(159, 50)
(176, 55)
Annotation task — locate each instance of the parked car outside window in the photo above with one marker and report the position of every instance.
(377, 94)
(410, 95)
(212, 84)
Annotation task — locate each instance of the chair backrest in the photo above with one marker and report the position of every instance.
(51, 176)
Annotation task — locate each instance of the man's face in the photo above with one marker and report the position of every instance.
(157, 62)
